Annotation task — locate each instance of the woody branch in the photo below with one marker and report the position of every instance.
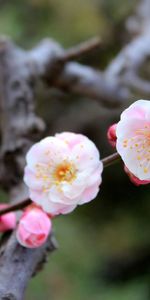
(19, 73)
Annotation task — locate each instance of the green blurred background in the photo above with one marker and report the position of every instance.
(104, 248)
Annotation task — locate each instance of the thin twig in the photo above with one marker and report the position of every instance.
(53, 70)
(107, 161)
(81, 49)
(111, 159)
(18, 206)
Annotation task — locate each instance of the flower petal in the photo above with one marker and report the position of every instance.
(48, 150)
(70, 138)
(85, 155)
(31, 179)
(89, 194)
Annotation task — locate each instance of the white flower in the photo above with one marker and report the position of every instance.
(62, 172)
(133, 139)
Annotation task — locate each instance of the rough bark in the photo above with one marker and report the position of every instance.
(19, 128)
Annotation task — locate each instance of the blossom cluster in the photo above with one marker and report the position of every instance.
(65, 171)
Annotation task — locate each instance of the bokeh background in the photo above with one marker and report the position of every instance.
(104, 246)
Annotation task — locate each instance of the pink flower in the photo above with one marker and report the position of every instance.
(134, 179)
(34, 228)
(62, 172)
(111, 135)
(133, 139)
(7, 221)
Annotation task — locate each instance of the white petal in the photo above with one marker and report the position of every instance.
(89, 194)
(38, 196)
(73, 190)
(49, 150)
(135, 151)
(57, 208)
(58, 196)
(139, 109)
(85, 155)
(31, 180)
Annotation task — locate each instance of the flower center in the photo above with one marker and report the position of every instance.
(55, 174)
(140, 143)
(64, 172)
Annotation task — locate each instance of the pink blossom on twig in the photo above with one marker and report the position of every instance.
(62, 172)
(133, 139)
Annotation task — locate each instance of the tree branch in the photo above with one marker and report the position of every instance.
(20, 127)
(19, 206)
(82, 49)
(48, 58)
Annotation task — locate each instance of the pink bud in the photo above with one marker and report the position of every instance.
(134, 179)
(34, 227)
(111, 135)
(7, 221)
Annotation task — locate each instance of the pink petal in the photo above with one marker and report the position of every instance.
(137, 110)
(89, 194)
(70, 138)
(85, 155)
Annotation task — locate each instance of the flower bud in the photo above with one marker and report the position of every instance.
(111, 135)
(8, 220)
(136, 181)
(34, 227)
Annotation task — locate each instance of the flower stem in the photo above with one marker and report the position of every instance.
(111, 159)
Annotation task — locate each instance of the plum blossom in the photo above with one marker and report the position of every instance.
(8, 220)
(33, 228)
(111, 135)
(62, 172)
(133, 139)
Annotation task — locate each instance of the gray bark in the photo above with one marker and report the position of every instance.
(20, 127)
